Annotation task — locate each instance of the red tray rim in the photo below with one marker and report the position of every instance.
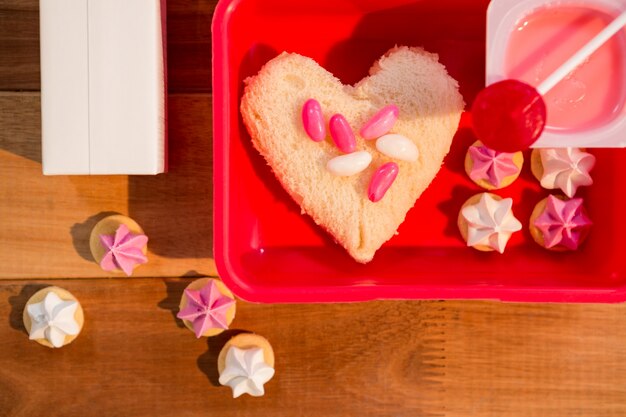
(236, 281)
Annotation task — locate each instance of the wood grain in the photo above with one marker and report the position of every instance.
(45, 221)
(462, 359)
(133, 358)
(19, 45)
(188, 44)
(534, 360)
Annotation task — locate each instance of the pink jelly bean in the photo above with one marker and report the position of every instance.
(313, 120)
(381, 123)
(342, 134)
(382, 180)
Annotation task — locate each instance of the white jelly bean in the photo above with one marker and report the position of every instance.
(350, 164)
(397, 147)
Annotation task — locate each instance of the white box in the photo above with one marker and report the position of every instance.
(103, 86)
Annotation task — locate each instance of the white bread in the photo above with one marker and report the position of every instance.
(430, 109)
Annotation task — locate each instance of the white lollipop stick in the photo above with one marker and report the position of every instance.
(580, 56)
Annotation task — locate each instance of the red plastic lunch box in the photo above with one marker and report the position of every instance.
(267, 251)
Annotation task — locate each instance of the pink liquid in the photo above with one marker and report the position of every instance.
(594, 93)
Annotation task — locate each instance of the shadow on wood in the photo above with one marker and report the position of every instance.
(175, 209)
(20, 119)
(18, 302)
(81, 232)
(207, 362)
(175, 288)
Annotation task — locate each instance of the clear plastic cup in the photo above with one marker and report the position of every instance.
(526, 41)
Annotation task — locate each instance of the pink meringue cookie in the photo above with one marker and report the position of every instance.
(124, 250)
(563, 223)
(490, 165)
(206, 308)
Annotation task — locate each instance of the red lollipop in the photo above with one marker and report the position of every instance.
(509, 115)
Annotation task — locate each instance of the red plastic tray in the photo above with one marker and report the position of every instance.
(266, 251)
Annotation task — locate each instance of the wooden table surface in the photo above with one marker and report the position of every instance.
(134, 358)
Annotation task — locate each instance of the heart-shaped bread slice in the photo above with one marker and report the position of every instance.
(430, 109)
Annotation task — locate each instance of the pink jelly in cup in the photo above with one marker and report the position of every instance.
(589, 96)
(527, 40)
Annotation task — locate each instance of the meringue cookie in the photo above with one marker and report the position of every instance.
(487, 222)
(124, 250)
(246, 364)
(492, 169)
(118, 244)
(562, 168)
(53, 317)
(559, 223)
(207, 307)
(246, 371)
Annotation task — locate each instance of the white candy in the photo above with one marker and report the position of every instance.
(350, 164)
(397, 147)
